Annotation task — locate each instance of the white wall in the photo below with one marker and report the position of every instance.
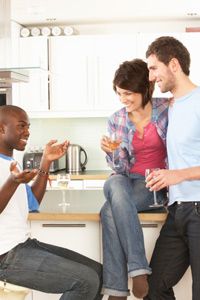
(86, 132)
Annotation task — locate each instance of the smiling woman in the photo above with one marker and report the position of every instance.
(141, 126)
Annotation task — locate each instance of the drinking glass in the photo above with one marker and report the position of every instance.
(155, 204)
(63, 183)
(114, 142)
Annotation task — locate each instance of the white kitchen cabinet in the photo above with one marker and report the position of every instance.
(82, 237)
(110, 52)
(78, 236)
(33, 95)
(33, 52)
(191, 41)
(69, 72)
(82, 70)
(151, 232)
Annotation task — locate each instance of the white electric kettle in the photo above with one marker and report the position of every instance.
(75, 161)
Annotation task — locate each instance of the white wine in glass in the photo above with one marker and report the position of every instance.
(113, 143)
(155, 204)
(63, 183)
(63, 180)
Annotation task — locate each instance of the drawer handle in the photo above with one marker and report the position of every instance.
(150, 225)
(63, 225)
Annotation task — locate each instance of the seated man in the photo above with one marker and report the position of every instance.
(29, 262)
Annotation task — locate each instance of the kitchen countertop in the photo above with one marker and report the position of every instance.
(81, 205)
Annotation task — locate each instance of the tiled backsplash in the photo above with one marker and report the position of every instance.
(86, 132)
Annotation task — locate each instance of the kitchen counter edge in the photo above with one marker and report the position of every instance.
(144, 217)
(87, 175)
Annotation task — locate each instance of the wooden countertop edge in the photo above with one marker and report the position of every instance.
(84, 176)
(148, 217)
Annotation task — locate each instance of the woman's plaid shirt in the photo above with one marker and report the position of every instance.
(120, 123)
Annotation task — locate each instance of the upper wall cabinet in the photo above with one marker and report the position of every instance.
(109, 53)
(71, 76)
(191, 41)
(70, 68)
(34, 52)
(33, 96)
(82, 70)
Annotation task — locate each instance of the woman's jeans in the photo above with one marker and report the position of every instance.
(123, 243)
(52, 269)
(177, 247)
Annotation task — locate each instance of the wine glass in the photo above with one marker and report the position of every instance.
(113, 142)
(155, 204)
(63, 183)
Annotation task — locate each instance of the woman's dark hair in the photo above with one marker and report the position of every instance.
(167, 47)
(134, 76)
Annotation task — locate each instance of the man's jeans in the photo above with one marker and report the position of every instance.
(123, 243)
(52, 269)
(177, 247)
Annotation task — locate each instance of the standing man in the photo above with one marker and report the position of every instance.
(178, 245)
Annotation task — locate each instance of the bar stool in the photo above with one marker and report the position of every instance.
(10, 291)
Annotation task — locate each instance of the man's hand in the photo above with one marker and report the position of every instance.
(53, 151)
(21, 176)
(159, 179)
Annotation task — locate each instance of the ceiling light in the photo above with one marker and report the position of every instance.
(25, 32)
(56, 30)
(35, 31)
(45, 31)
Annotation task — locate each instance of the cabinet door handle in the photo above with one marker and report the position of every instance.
(63, 225)
(149, 225)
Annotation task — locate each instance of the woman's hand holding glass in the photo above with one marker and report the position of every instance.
(110, 143)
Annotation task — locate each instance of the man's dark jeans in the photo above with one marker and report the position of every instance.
(177, 247)
(52, 269)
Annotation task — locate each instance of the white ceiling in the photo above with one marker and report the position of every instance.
(69, 12)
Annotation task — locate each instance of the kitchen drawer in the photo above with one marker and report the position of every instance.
(79, 236)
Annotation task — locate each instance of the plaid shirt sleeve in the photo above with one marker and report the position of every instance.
(118, 123)
(161, 116)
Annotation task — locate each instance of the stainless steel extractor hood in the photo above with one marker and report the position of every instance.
(8, 74)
